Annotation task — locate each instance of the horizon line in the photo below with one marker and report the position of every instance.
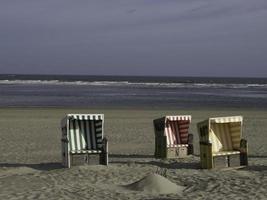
(117, 75)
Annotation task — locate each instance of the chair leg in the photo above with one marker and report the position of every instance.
(227, 161)
(69, 160)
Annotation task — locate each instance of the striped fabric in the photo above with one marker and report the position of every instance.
(85, 133)
(179, 117)
(226, 134)
(176, 129)
(226, 119)
(86, 117)
(236, 130)
(221, 137)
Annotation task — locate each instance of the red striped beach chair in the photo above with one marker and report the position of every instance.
(221, 144)
(82, 134)
(172, 139)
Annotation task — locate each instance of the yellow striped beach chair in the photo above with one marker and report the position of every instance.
(221, 144)
(82, 134)
(172, 139)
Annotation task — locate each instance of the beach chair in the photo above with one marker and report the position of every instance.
(221, 144)
(172, 139)
(82, 134)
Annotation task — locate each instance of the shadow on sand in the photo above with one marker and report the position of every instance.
(130, 156)
(258, 168)
(173, 164)
(162, 199)
(257, 156)
(40, 166)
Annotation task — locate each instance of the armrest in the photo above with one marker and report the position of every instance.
(104, 154)
(105, 145)
(243, 152)
(243, 145)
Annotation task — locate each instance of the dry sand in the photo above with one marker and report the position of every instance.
(155, 184)
(30, 158)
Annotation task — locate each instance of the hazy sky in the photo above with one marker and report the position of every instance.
(134, 37)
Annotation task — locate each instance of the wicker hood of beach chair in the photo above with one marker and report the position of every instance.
(172, 138)
(221, 143)
(83, 136)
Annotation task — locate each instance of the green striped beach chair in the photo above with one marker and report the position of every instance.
(221, 144)
(172, 137)
(83, 134)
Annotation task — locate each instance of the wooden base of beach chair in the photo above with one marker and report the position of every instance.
(163, 152)
(177, 152)
(226, 161)
(75, 159)
(233, 160)
(84, 159)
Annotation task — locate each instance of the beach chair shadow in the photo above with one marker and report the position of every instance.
(134, 159)
(161, 199)
(257, 156)
(130, 156)
(174, 165)
(259, 168)
(39, 166)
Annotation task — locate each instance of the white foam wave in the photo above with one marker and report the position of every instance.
(132, 84)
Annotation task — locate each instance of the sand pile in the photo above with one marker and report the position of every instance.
(155, 183)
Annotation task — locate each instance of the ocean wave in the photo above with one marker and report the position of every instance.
(132, 84)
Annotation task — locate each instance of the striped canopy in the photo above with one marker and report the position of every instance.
(226, 119)
(176, 129)
(81, 117)
(179, 118)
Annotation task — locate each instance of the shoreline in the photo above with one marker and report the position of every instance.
(147, 108)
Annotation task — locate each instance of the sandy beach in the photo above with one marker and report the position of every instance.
(30, 157)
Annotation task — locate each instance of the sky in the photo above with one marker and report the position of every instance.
(134, 37)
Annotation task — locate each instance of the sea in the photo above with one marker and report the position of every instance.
(131, 91)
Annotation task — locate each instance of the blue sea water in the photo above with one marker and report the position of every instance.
(130, 91)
